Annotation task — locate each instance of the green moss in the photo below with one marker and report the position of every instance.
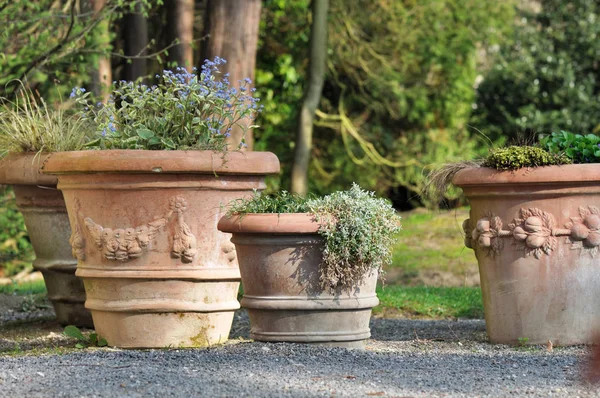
(516, 157)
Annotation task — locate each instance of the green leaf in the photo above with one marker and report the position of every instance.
(95, 142)
(145, 133)
(79, 345)
(153, 141)
(74, 332)
(93, 339)
(102, 342)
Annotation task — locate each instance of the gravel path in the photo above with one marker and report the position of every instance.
(405, 358)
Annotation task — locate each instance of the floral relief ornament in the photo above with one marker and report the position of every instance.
(124, 244)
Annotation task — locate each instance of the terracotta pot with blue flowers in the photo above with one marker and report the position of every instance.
(29, 130)
(144, 207)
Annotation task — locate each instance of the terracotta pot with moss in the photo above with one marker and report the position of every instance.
(144, 209)
(535, 228)
(309, 268)
(29, 130)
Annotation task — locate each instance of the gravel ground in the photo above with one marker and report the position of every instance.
(405, 358)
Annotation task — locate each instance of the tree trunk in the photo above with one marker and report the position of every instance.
(135, 33)
(180, 27)
(102, 76)
(312, 96)
(232, 26)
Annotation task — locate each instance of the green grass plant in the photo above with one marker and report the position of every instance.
(278, 202)
(29, 124)
(430, 302)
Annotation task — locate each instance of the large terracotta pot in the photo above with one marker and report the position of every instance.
(45, 215)
(279, 257)
(536, 234)
(156, 270)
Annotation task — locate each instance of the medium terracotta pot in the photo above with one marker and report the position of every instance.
(279, 257)
(156, 270)
(45, 215)
(536, 234)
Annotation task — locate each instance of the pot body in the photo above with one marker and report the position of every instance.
(156, 270)
(45, 215)
(536, 234)
(280, 258)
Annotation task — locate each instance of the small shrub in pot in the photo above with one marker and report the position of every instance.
(310, 266)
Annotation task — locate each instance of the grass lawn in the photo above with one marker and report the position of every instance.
(429, 302)
(27, 288)
(432, 242)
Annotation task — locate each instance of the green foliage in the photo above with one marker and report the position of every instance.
(29, 124)
(398, 92)
(546, 78)
(16, 252)
(431, 302)
(358, 230)
(183, 111)
(579, 148)
(35, 288)
(515, 157)
(45, 41)
(83, 341)
(278, 202)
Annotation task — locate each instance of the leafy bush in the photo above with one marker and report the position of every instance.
(359, 231)
(357, 228)
(579, 148)
(16, 252)
(183, 111)
(516, 157)
(400, 81)
(546, 78)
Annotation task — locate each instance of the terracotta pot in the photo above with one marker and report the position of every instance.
(156, 270)
(45, 215)
(279, 257)
(536, 234)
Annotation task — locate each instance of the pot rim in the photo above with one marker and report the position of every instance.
(24, 168)
(138, 161)
(568, 173)
(269, 223)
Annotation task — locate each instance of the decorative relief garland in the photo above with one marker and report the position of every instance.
(124, 244)
(534, 232)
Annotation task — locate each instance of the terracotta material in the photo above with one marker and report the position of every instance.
(279, 259)
(157, 272)
(536, 234)
(45, 215)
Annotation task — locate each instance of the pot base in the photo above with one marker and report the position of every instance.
(341, 328)
(67, 295)
(163, 329)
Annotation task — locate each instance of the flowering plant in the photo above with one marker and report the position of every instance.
(182, 111)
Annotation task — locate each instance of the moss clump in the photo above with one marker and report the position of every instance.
(516, 157)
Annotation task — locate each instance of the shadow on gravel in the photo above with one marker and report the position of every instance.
(438, 330)
(274, 370)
